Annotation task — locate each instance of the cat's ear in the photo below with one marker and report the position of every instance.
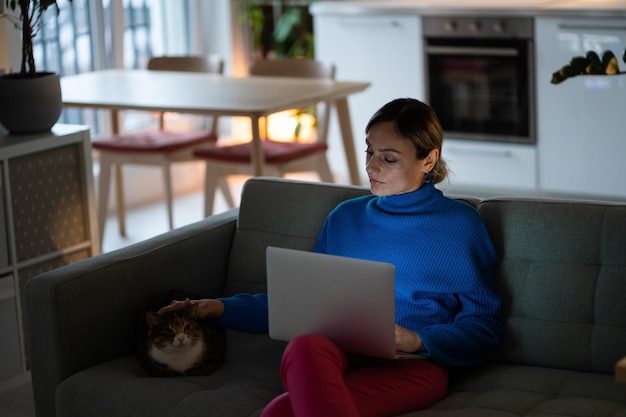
(152, 319)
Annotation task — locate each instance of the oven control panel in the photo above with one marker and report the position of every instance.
(481, 27)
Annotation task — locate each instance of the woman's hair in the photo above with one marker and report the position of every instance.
(417, 123)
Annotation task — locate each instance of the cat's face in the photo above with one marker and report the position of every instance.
(175, 330)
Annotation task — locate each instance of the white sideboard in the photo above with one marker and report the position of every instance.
(47, 219)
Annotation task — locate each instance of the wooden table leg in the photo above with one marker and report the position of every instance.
(345, 126)
(119, 198)
(257, 148)
(104, 186)
(119, 180)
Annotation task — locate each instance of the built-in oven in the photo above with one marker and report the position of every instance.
(480, 78)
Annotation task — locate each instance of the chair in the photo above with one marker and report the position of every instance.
(160, 147)
(279, 157)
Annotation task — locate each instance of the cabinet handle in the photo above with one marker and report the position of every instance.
(454, 50)
(367, 24)
(487, 153)
(574, 26)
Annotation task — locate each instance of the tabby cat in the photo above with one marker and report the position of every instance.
(178, 343)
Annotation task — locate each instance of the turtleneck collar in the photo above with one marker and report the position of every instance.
(408, 202)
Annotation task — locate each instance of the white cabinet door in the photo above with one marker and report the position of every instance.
(385, 50)
(487, 165)
(581, 122)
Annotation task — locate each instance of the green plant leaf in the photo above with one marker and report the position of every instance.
(286, 24)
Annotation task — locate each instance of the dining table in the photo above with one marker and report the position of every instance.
(254, 97)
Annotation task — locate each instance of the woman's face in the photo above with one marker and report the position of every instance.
(391, 163)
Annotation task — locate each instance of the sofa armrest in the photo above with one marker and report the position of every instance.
(86, 313)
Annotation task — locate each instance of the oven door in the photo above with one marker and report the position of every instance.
(482, 89)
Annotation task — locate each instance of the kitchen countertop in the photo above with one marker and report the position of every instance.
(576, 8)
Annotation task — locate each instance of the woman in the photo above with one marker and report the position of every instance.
(446, 306)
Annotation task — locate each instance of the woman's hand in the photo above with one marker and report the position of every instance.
(205, 308)
(407, 340)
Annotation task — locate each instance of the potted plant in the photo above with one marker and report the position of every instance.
(30, 100)
(281, 29)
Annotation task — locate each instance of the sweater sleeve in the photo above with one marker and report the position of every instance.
(475, 332)
(245, 313)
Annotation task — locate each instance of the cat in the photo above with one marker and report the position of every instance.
(178, 343)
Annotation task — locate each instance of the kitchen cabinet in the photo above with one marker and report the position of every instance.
(581, 141)
(385, 50)
(388, 51)
(490, 165)
(47, 219)
(580, 147)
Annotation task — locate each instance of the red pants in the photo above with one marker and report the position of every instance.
(321, 380)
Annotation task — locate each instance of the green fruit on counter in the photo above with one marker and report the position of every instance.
(557, 78)
(612, 68)
(578, 64)
(595, 68)
(609, 63)
(592, 56)
(567, 71)
(606, 57)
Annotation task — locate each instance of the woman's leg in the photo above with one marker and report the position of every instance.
(312, 371)
(318, 383)
(390, 387)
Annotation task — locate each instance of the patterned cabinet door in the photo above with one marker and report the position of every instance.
(47, 220)
(49, 209)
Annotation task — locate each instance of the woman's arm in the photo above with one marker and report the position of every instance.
(474, 333)
(242, 312)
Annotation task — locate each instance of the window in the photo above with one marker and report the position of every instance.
(98, 34)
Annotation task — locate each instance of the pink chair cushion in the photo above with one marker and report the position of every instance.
(275, 152)
(153, 141)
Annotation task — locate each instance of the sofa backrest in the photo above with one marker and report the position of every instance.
(278, 212)
(562, 269)
(562, 276)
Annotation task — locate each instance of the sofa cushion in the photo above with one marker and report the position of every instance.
(562, 275)
(246, 382)
(510, 390)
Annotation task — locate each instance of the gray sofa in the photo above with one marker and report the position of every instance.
(562, 276)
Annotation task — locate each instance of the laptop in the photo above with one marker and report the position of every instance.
(350, 301)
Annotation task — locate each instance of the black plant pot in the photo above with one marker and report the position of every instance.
(30, 105)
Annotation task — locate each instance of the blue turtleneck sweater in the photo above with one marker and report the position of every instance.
(444, 262)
